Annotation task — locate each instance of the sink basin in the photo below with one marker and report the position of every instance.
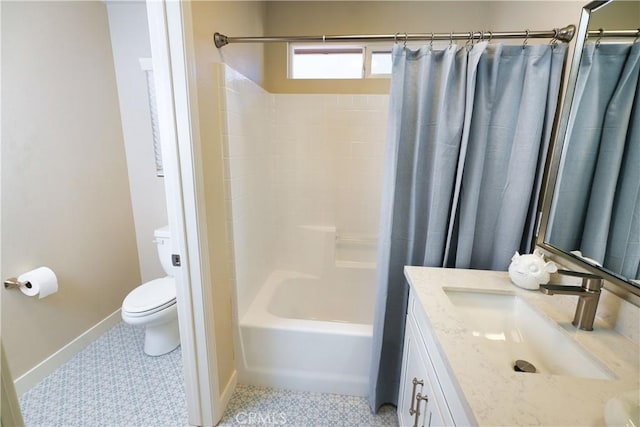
(513, 330)
(623, 410)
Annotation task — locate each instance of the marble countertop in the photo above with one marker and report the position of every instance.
(499, 396)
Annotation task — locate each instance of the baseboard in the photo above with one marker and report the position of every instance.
(32, 377)
(226, 394)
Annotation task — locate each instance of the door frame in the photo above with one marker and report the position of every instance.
(171, 40)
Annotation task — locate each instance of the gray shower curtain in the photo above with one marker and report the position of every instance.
(597, 210)
(468, 133)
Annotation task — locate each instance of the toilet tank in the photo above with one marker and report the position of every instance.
(163, 242)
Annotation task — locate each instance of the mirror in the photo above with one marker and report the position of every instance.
(591, 208)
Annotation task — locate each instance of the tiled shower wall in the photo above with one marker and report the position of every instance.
(328, 167)
(248, 150)
(298, 160)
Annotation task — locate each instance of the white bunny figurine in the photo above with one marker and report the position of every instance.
(531, 270)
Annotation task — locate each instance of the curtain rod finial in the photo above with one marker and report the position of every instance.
(566, 34)
(220, 40)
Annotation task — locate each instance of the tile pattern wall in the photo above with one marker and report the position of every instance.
(296, 161)
(248, 151)
(328, 166)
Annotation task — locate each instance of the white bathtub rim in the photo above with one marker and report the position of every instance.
(261, 300)
(258, 316)
(307, 326)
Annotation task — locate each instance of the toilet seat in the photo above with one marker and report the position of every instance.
(150, 297)
(149, 312)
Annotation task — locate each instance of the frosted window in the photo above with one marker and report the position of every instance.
(327, 63)
(381, 62)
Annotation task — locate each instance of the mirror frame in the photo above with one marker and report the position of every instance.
(615, 283)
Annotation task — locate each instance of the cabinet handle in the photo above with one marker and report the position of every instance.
(413, 394)
(419, 397)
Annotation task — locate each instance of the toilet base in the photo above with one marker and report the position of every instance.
(161, 339)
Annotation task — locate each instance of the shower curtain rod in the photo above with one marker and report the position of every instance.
(613, 33)
(560, 34)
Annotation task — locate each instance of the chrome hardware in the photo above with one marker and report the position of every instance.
(564, 34)
(13, 282)
(419, 397)
(413, 394)
(588, 293)
(220, 40)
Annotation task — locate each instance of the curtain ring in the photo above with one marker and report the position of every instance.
(406, 37)
(637, 36)
(526, 39)
(490, 36)
(395, 38)
(431, 42)
(554, 40)
(482, 35)
(450, 38)
(600, 34)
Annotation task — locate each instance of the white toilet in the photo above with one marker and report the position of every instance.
(153, 304)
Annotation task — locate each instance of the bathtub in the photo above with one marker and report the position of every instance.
(307, 333)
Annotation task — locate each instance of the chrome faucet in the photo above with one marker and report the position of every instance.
(588, 296)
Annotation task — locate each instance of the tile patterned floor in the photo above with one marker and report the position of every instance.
(112, 383)
(252, 405)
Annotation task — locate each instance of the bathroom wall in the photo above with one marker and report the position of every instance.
(295, 162)
(329, 149)
(328, 171)
(624, 15)
(130, 42)
(389, 17)
(65, 194)
(247, 113)
(326, 150)
(230, 17)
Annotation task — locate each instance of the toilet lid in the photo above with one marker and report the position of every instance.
(150, 295)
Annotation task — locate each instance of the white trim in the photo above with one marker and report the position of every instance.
(11, 415)
(193, 197)
(172, 51)
(226, 394)
(36, 374)
(146, 64)
(160, 53)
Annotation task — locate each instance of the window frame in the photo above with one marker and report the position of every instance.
(334, 48)
(368, 49)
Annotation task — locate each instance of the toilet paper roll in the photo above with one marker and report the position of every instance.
(43, 282)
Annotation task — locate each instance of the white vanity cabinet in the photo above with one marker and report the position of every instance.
(427, 396)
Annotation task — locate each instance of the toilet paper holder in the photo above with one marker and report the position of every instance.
(14, 283)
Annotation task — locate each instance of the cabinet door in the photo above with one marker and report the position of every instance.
(433, 415)
(413, 411)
